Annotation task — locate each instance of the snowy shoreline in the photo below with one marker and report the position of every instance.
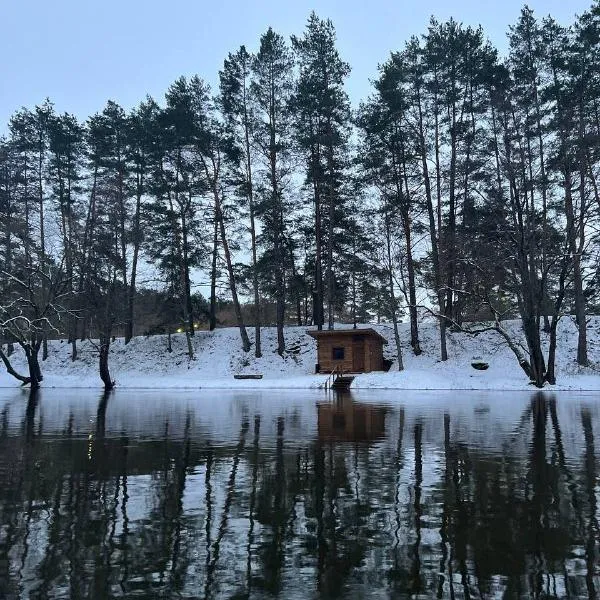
(145, 364)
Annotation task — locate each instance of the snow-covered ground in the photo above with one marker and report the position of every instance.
(145, 363)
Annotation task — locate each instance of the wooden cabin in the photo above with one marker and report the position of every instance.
(354, 350)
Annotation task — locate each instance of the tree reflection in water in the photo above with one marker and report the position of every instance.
(383, 500)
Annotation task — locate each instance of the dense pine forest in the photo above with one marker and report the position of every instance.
(464, 189)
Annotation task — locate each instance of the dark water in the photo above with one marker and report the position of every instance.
(294, 495)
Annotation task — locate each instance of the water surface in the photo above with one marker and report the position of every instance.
(298, 495)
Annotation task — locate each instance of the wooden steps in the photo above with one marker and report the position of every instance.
(342, 382)
(338, 380)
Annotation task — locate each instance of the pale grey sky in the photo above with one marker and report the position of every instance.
(81, 53)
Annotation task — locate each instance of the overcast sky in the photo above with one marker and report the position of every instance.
(80, 53)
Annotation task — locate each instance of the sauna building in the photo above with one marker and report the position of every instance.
(352, 350)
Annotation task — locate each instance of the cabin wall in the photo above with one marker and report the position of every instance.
(325, 354)
(373, 354)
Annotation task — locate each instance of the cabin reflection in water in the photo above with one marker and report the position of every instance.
(349, 421)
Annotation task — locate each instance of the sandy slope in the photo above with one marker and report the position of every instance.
(145, 362)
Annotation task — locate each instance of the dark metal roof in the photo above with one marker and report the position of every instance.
(368, 332)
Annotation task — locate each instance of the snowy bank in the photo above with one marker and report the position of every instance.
(145, 363)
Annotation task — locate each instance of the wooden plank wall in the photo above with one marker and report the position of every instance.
(373, 354)
(326, 345)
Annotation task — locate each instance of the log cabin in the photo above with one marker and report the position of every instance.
(351, 350)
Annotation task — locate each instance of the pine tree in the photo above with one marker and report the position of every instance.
(236, 105)
(65, 145)
(387, 156)
(22, 146)
(141, 129)
(103, 272)
(271, 90)
(213, 150)
(322, 111)
(456, 59)
(176, 187)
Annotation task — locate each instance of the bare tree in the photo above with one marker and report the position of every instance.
(34, 302)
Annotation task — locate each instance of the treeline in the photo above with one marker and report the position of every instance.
(465, 187)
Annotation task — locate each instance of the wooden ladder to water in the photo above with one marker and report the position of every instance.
(337, 380)
(342, 382)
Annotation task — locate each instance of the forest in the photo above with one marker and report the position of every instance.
(464, 189)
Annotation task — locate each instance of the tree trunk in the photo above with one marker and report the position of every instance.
(186, 275)
(544, 187)
(579, 233)
(280, 324)
(412, 302)
(330, 227)
(40, 181)
(109, 384)
(212, 317)
(393, 302)
(35, 352)
(580, 312)
(130, 303)
(66, 221)
(550, 374)
(410, 265)
(35, 375)
(353, 286)
(296, 288)
(131, 292)
(279, 270)
(575, 251)
(122, 217)
(236, 303)
(257, 311)
(251, 209)
(534, 345)
(277, 220)
(432, 231)
(450, 237)
(318, 312)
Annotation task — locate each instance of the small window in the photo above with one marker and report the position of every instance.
(337, 354)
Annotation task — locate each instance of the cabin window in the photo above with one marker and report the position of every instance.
(337, 353)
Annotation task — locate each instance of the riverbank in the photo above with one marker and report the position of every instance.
(145, 363)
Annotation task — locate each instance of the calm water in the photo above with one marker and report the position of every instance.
(298, 495)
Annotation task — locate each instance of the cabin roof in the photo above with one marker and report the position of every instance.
(325, 333)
